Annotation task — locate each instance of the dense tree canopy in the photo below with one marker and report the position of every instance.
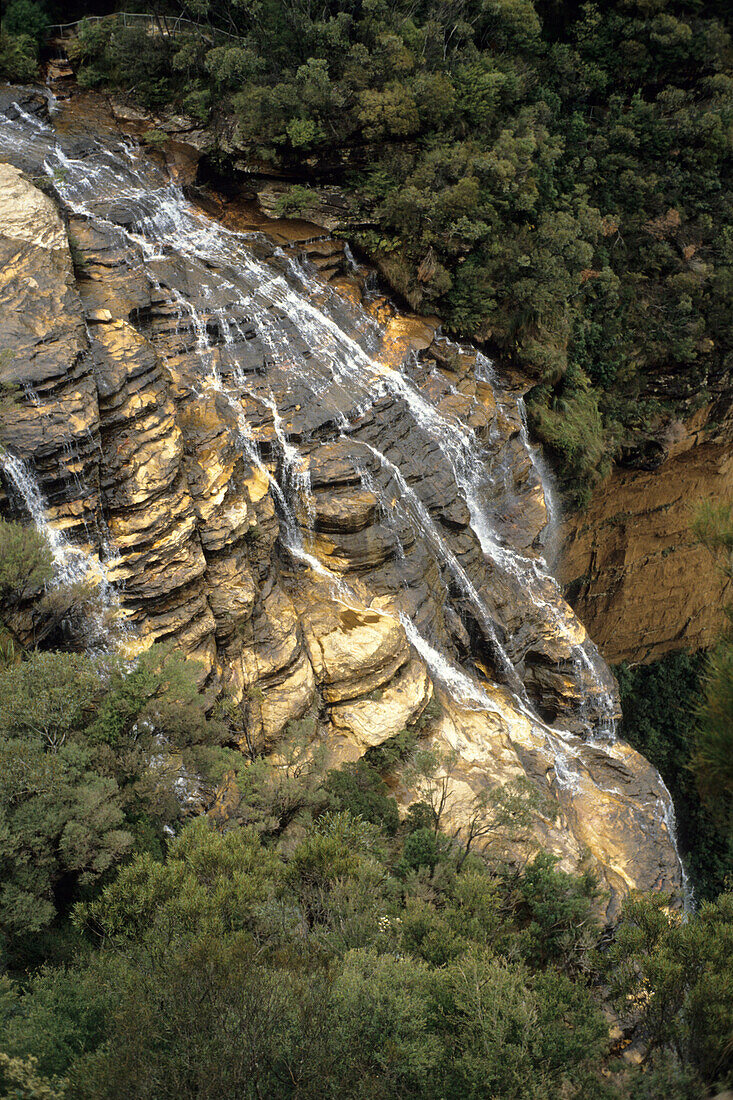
(551, 179)
(311, 942)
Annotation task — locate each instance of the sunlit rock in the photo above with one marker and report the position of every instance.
(335, 512)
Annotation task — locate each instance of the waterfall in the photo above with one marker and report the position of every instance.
(352, 379)
(103, 627)
(71, 564)
(552, 506)
(445, 556)
(267, 330)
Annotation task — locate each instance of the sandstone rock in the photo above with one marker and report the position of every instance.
(348, 511)
(231, 592)
(611, 801)
(374, 719)
(354, 651)
(28, 216)
(329, 209)
(631, 567)
(55, 423)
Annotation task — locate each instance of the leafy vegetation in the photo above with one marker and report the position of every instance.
(18, 58)
(551, 179)
(714, 746)
(307, 942)
(661, 704)
(233, 967)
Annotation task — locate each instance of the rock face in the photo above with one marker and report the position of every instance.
(329, 507)
(631, 568)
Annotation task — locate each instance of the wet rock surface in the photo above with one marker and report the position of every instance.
(335, 511)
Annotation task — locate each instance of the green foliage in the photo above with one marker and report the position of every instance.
(109, 52)
(507, 1037)
(46, 697)
(502, 814)
(360, 789)
(422, 848)
(677, 975)
(296, 201)
(26, 18)
(395, 750)
(275, 792)
(219, 878)
(555, 912)
(713, 527)
(660, 704)
(26, 565)
(154, 137)
(239, 966)
(234, 969)
(54, 1013)
(89, 751)
(34, 611)
(558, 185)
(429, 774)
(19, 1079)
(18, 58)
(569, 423)
(713, 758)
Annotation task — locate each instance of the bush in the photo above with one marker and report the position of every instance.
(26, 18)
(660, 704)
(568, 421)
(360, 789)
(18, 58)
(677, 975)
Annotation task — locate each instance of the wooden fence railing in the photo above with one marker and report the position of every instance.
(169, 26)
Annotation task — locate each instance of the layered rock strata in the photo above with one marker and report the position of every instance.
(334, 511)
(631, 566)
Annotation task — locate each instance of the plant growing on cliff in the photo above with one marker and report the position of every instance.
(26, 565)
(660, 704)
(296, 201)
(713, 758)
(360, 789)
(429, 774)
(500, 816)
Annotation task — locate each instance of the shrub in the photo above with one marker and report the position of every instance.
(360, 789)
(18, 58)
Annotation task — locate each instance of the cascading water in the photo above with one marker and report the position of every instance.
(548, 490)
(424, 521)
(71, 564)
(329, 374)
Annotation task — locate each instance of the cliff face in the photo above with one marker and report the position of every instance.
(332, 509)
(630, 566)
